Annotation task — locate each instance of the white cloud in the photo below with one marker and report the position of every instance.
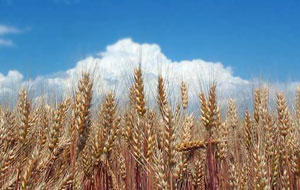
(4, 42)
(8, 30)
(10, 84)
(5, 30)
(67, 2)
(112, 69)
(6, 2)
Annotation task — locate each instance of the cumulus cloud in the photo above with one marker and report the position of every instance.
(10, 85)
(112, 69)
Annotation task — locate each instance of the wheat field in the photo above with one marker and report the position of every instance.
(131, 147)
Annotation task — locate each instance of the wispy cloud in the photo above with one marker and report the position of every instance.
(68, 2)
(6, 30)
(4, 42)
(6, 2)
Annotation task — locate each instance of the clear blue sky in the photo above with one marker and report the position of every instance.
(255, 38)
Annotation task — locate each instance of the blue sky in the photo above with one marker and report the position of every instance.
(254, 38)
